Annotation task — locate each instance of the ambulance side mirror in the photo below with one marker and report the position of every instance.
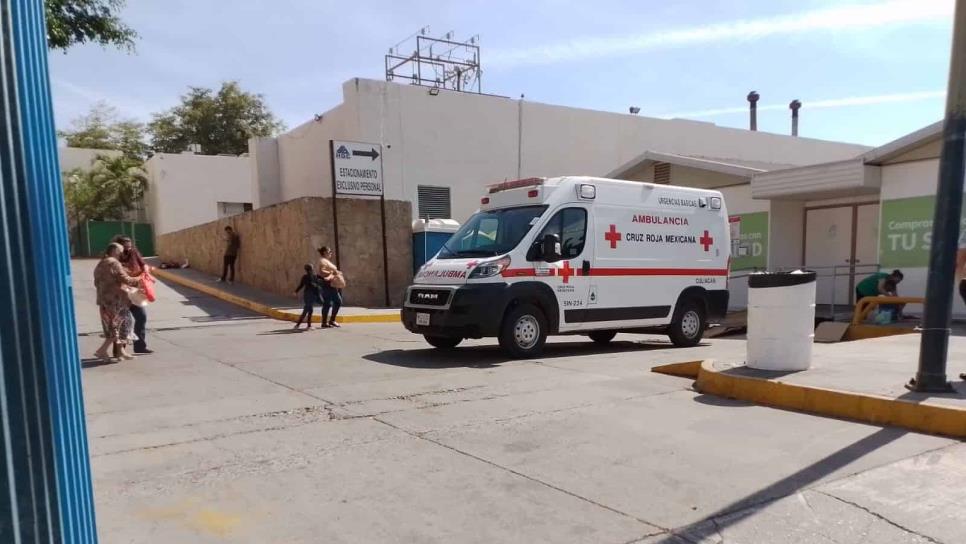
(551, 248)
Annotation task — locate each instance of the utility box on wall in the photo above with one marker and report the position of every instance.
(429, 237)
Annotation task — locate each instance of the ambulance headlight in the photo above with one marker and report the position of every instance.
(490, 268)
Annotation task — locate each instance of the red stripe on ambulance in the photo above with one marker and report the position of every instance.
(530, 272)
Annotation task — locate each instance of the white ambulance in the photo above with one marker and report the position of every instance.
(577, 255)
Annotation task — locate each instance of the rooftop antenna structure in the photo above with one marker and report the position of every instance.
(437, 63)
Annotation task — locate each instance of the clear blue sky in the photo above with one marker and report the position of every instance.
(867, 72)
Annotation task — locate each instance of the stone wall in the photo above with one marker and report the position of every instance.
(277, 241)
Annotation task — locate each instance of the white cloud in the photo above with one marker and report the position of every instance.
(80, 98)
(820, 104)
(850, 17)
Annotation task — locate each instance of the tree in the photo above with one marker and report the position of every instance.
(219, 122)
(102, 128)
(71, 22)
(109, 189)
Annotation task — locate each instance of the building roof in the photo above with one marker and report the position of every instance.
(732, 167)
(904, 144)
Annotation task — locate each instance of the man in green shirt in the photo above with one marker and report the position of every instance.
(874, 285)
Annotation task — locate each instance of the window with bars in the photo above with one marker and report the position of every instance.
(434, 202)
(662, 172)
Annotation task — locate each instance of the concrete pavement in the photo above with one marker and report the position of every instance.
(237, 430)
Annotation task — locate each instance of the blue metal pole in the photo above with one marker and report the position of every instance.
(45, 479)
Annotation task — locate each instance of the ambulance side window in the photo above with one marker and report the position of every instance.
(570, 225)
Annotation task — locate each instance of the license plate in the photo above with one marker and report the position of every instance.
(422, 319)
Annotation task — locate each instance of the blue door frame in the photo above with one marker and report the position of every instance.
(45, 480)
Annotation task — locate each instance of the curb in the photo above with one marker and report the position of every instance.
(266, 310)
(864, 332)
(866, 408)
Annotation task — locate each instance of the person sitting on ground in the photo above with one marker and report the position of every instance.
(874, 285)
(310, 295)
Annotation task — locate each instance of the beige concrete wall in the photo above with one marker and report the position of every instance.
(786, 222)
(71, 158)
(265, 177)
(184, 189)
(277, 241)
(909, 179)
(303, 154)
(465, 141)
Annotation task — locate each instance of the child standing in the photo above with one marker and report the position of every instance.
(310, 295)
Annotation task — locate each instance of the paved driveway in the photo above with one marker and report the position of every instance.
(237, 430)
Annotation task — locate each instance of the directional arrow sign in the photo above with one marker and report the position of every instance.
(371, 153)
(355, 168)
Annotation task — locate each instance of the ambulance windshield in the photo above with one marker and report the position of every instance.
(491, 233)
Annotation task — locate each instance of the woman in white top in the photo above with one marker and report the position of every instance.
(331, 296)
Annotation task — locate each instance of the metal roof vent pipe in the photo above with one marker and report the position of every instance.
(795, 105)
(753, 104)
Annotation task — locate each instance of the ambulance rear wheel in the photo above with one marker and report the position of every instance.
(602, 337)
(442, 342)
(523, 332)
(688, 329)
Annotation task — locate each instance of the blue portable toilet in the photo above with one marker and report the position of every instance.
(429, 237)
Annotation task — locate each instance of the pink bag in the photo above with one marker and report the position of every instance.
(147, 286)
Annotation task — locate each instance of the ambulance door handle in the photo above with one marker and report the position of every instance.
(585, 268)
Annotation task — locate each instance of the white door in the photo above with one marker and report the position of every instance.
(866, 241)
(568, 277)
(828, 250)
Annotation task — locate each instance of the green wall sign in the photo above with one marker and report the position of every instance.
(749, 240)
(905, 233)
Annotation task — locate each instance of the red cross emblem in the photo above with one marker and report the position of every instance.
(612, 236)
(472, 264)
(707, 241)
(566, 272)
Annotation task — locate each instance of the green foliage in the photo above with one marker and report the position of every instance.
(101, 128)
(106, 191)
(220, 122)
(71, 22)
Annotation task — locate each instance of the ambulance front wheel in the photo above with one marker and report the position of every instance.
(442, 342)
(523, 332)
(688, 329)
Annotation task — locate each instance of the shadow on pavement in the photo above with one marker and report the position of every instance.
(289, 330)
(488, 356)
(216, 310)
(94, 363)
(744, 371)
(712, 400)
(710, 527)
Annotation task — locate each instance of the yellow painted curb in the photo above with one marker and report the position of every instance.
(689, 369)
(266, 310)
(877, 410)
(864, 332)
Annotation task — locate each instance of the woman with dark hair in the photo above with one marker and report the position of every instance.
(332, 283)
(110, 280)
(135, 266)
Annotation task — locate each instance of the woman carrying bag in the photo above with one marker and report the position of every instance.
(332, 284)
(113, 285)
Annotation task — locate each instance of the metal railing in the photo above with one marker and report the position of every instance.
(823, 274)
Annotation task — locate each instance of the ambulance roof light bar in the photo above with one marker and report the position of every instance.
(516, 184)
